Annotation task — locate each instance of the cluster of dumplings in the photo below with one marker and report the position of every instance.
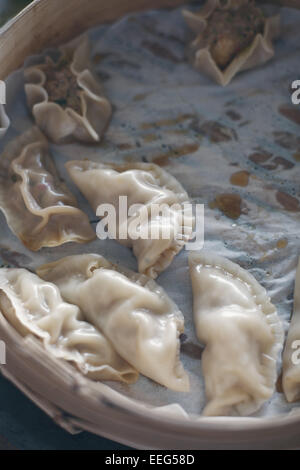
(107, 321)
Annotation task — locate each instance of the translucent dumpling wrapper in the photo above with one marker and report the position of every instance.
(35, 307)
(291, 355)
(130, 309)
(242, 334)
(4, 121)
(232, 36)
(66, 98)
(38, 206)
(146, 185)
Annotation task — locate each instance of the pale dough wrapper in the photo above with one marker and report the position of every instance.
(35, 307)
(4, 121)
(38, 206)
(131, 310)
(242, 334)
(66, 124)
(291, 355)
(260, 51)
(146, 184)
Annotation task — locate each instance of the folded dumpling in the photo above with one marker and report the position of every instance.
(65, 98)
(142, 184)
(131, 310)
(33, 306)
(291, 355)
(242, 334)
(38, 206)
(232, 36)
(4, 121)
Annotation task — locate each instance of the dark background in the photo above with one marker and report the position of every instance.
(9, 8)
(22, 425)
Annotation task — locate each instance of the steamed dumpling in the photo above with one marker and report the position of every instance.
(232, 36)
(35, 307)
(38, 206)
(291, 355)
(131, 310)
(144, 184)
(242, 333)
(66, 98)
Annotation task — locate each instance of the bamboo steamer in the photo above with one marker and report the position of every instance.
(70, 399)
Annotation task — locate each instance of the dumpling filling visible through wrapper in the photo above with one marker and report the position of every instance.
(231, 37)
(65, 98)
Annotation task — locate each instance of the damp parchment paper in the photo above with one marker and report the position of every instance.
(235, 149)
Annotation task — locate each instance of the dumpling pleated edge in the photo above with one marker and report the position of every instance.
(259, 52)
(77, 341)
(56, 272)
(64, 125)
(269, 362)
